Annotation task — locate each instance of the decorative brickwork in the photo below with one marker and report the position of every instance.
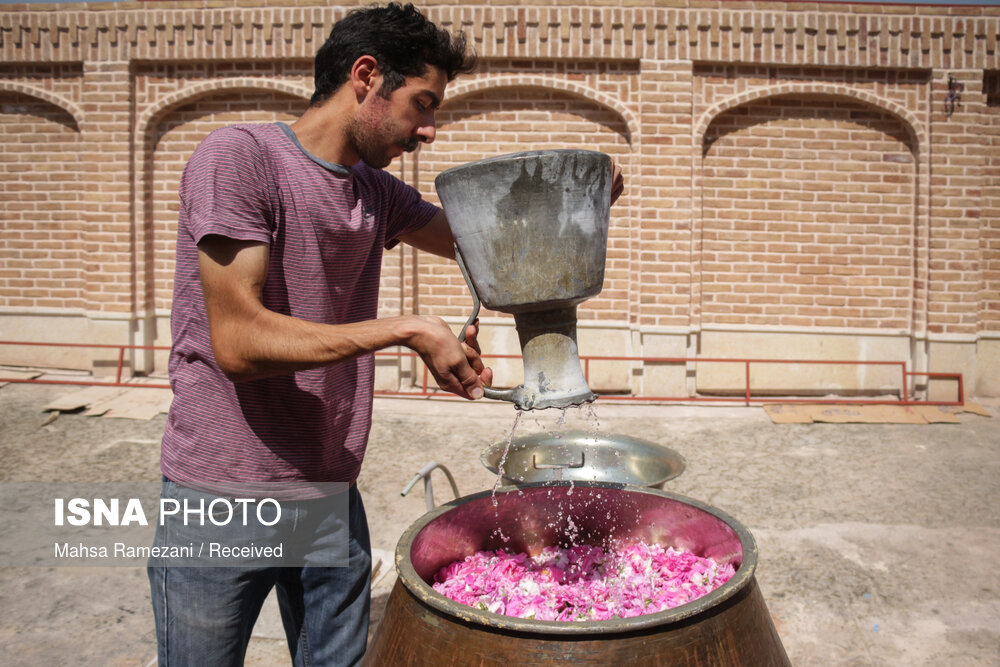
(794, 170)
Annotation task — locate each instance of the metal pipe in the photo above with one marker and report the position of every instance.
(425, 474)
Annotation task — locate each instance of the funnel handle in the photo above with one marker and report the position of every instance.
(488, 392)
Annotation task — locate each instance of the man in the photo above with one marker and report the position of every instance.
(281, 231)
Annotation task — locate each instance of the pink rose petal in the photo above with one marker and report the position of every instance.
(582, 582)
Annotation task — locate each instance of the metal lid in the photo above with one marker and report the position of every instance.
(582, 456)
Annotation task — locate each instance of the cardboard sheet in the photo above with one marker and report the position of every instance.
(17, 375)
(134, 404)
(936, 414)
(976, 409)
(866, 414)
(121, 402)
(806, 413)
(787, 413)
(82, 398)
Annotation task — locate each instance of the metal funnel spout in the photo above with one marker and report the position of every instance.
(553, 377)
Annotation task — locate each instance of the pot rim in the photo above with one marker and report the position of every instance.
(426, 593)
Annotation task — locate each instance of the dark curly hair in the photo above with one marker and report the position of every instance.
(399, 37)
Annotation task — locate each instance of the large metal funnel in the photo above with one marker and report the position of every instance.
(531, 233)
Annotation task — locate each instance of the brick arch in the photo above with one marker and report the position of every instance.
(42, 228)
(162, 157)
(834, 90)
(190, 93)
(39, 93)
(471, 87)
(784, 254)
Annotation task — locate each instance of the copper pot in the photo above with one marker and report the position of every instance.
(729, 626)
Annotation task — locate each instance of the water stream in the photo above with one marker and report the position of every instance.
(556, 429)
(503, 457)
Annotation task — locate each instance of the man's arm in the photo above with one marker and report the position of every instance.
(249, 341)
(434, 237)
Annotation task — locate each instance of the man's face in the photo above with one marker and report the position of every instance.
(386, 128)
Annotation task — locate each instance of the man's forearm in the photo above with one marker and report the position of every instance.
(251, 341)
(273, 344)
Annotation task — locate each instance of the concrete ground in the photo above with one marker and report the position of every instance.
(878, 543)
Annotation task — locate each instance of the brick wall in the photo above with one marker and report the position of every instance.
(794, 175)
(42, 225)
(989, 303)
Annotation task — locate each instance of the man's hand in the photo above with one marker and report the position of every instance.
(471, 345)
(456, 366)
(617, 182)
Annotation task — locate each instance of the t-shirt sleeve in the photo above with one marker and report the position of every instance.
(406, 209)
(224, 188)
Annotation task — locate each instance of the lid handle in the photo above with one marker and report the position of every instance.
(556, 466)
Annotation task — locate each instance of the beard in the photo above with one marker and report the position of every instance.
(375, 136)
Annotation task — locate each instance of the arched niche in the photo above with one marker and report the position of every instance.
(53, 107)
(170, 132)
(808, 213)
(42, 182)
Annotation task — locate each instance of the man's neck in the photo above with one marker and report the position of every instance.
(320, 130)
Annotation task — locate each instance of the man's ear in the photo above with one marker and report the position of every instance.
(364, 76)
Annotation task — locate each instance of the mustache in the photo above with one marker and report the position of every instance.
(411, 145)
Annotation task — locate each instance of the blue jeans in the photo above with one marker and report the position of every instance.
(204, 615)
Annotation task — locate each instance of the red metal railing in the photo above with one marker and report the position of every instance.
(117, 382)
(748, 397)
(426, 389)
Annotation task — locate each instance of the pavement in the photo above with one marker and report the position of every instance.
(877, 543)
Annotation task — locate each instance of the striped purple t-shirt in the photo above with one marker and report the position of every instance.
(326, 226)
